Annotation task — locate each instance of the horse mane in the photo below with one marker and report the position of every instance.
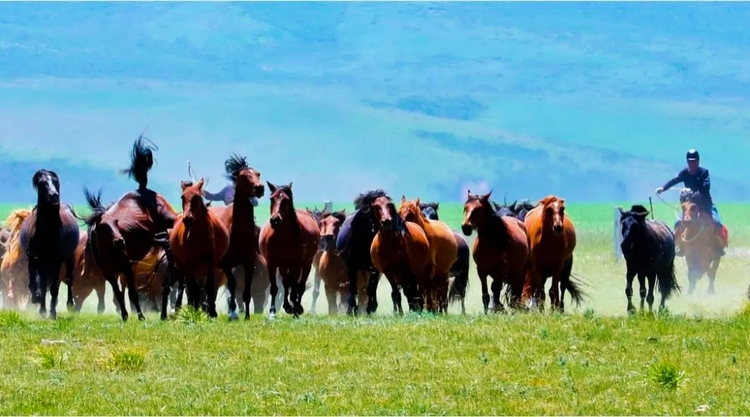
(292, 211)
(548, 200)
(234, 165)
(340, 215)
(141, 161)
(364, 200)
(13, 223)
(433, 205)
(95, 204)
(638, 209)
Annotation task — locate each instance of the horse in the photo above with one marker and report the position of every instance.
(400, 250)
(460, 268)
(317, 215)
(443, 251)
(49, 237)
(698, 241)
(501, 250)
(353, 245)
(130, 228)
(331, 267)
(552, 237)
(649, 250)
(199, 240)
(288, 240)
(14, 267)
(516, 209)
(239, 219)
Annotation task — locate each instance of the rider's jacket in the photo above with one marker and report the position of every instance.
(700, 182)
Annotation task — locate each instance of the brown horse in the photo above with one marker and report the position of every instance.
(239, 219)
(553, 239)
(332, 268)
(317, 215)
(443, 250)
(698, 241)
(199, 240)
(501, 249)
(288, 241)
(128, 230)
(14, 267)
(401, 251)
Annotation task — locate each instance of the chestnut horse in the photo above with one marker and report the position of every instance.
(698, 241)
(332, 268)
(400, 250)
(443, 250)
(501, 250)
(199, 240)
(553, 240)
(317, 214)
(239, 219)
(288, 241)
(129, 229)
(14, 268)
(49, 237)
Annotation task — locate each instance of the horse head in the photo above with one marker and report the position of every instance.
(553, 213)
(477, 208)
(192, 201)
(245, 178)
(330, 225)
(633, 224)
(410, 211)
(430, 210)
(384, 215)
(282, 205)
(47, 185)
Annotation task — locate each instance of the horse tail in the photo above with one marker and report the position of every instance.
(667, 281)
(572, 283)
(457, 289)
(141, 161)
(13, 223)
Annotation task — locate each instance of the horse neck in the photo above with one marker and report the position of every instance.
(243, 212)
(47, 214)
(493, 225)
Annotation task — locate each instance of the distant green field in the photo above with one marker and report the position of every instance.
(592, 360)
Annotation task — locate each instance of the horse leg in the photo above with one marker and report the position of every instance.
(372, 291)
(272, 268)
(211, 291)
(69, 264)
(485, 291)
(693, 274)
(331, 296)
(54, 288)
(34, 282)
(118, 295)
(352, 307)
(133, 292)
(100, 290)
(249, 267)
(629, 276)
(712, 274)
(642, 288)
(396, 295)
(302, 274)
(650, 295)
(497, 288)
(232, 287)
(316, 292)
(554, 291)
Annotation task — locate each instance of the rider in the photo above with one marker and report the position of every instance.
(696, 178)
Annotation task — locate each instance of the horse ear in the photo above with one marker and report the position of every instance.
(418, 201)
(622, 212)
(437, 204)
(271, 187)
(200, 183)
(183, 185)
(289, 186)
(403, 199)
(468, 194)
(487, 196)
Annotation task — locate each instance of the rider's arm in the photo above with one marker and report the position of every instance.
(706, 181)
(674, 181)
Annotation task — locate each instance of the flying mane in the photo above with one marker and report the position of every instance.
(234, 165)
(141, 161)
(13, 223)
(364, 200)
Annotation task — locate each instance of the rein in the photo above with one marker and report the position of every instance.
(673, 207)
(684, 239)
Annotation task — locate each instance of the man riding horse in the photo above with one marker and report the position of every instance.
(697, 179)
(226, 195)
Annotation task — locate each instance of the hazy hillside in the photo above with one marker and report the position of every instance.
(595, 101)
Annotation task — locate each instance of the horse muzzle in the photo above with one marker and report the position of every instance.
(259, 191)
(466, 229)
(187, 221)
(558, 229)
(275, 222)
(386, 224)
(327, 241)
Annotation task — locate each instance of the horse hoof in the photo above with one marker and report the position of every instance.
(141, 317)
(233, 316)
(272, 316)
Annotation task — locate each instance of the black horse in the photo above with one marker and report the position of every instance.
(460, 268)
(353, 245)
(517, 209)
(49, 236)
(649, 250)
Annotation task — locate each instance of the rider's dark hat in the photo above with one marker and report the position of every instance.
(693, 155)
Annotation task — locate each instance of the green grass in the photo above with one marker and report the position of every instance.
(592, 360)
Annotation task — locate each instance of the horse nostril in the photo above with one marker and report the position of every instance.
(558, 228)
(466, 229)
(187, 221)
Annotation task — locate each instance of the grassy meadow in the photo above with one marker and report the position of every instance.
(592, 360)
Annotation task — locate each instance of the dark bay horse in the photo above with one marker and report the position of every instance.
(699, 243)
(516, 209)
(460, 268)
(199, 240)
(130, 229)
(400, 250)
(443, 253)
(239, 219)
(552, 236)
(353, 244)
(501, 250)
(649, 250)
(289, 241)
(49, 237)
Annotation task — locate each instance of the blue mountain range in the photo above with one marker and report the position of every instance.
(594, 101)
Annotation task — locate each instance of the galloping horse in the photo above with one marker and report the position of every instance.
(698, 243)
(129, 229)
(353, 245)
(501, 249)
(443, 251)
(400, 250)
(552, 237)
(517, 209)
(49, 237)
(14, 268)
(317, 215)
(460, 268)
(239, 219)
(198, 240)
(288, 241)
(649, 251)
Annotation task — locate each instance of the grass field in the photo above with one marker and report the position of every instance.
(592, 360)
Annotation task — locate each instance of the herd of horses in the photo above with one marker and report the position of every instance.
(142, 244)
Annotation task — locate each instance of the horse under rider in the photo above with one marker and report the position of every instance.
(697, 179)
(226, 195)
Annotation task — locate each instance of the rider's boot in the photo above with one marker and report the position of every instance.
(720, 247)
(678, 240)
